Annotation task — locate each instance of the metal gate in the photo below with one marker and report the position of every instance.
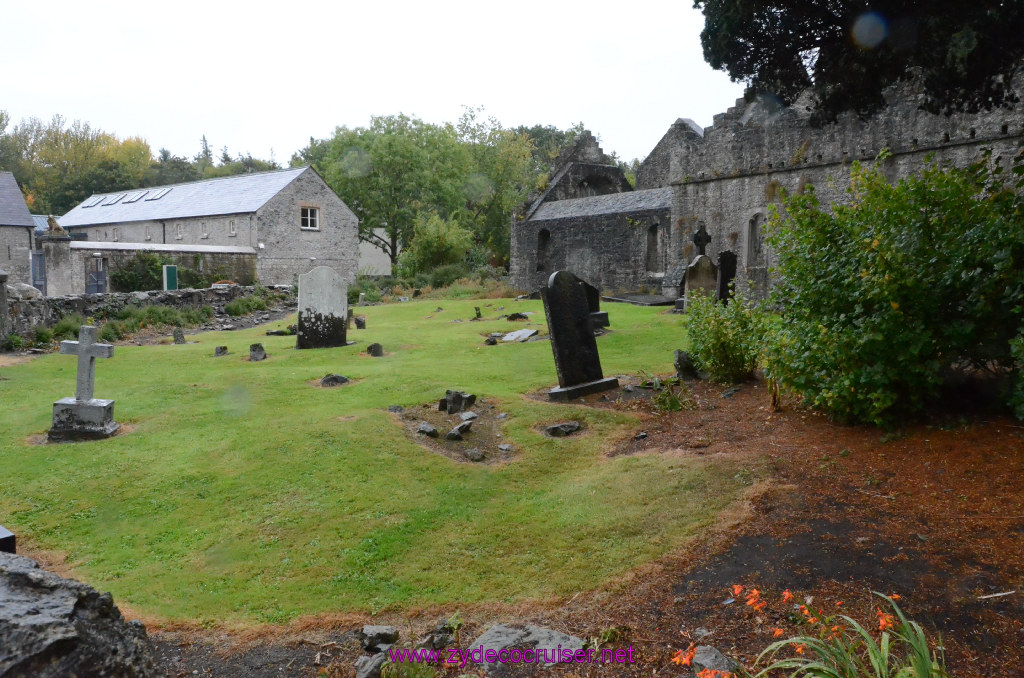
(38, 260)
(95, 276)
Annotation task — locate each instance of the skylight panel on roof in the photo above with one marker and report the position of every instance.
(93, 201)
(158, 194)
(113, 199)
(134, 197)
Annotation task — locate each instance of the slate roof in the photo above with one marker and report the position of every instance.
(241, 194)
(13, 210)
(613, 203)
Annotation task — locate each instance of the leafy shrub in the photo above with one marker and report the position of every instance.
(67, 327)
(726, 340)
(13, 342)
(364, 285)
(112, 331)
(43, 337)
(443, 276)
(246, 304)
(884, 295)
(142, 272)
(436, 243)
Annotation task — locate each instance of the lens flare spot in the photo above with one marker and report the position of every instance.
(869, 30)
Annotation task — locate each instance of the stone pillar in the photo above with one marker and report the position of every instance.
(60, 275)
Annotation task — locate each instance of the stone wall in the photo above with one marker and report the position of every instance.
(231, 230)
(24, 315)
(15, 246)
(655, 170)
(285, 251)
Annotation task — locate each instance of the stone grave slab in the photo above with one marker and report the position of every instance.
(323, 309)
(571, 330)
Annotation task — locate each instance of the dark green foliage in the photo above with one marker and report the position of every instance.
(13, 342)
(246, 304)
(144, 272)
(883, 296)
(965, 52)
(43, 337)
(726, 340)
(67, 327)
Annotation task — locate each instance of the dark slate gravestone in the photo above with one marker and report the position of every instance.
(179, 335)
(7, 541)
(257, 352)
(375, 350)
(572, 339)
(599, 317)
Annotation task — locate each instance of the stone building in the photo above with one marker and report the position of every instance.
(288, 221)
(725, 178)
(16, 231)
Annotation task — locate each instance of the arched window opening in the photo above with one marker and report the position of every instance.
(544, 251)
(653, 256)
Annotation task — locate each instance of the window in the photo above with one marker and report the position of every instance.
(232, 230)
(115, 233)
(309, 218)
(134, 197)
(149, 233)
(653, 260)
(544, 251)
(180, 231)
(113, 199)
(204, 229)
(156, 195)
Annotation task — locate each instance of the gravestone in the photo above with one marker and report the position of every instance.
(257, 353)
(220, 351)
(701, 274)
(8, 542)
(179, 335)
(348, 324)
(599, 317)
(323, 309)
(479, 316)
(375, 350)
(84, 417)
(3, 304)
(360, 322)
(571, 330)
(454, 402)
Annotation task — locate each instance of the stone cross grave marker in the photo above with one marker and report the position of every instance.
(323, 309)
(701, 274)
(572, 339)
(84, 417)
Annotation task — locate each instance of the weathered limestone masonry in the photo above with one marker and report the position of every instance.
(288, 252)
(23, 316)
(725, 177)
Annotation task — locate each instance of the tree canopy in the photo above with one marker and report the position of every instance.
(849, 51)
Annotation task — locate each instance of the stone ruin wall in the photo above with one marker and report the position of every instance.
(24, 315)
(730, 177)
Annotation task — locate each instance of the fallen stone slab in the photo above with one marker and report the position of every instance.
(500, 637)
(55, 627)
(473, 454)
(519, 335)
(373, 636)
(566, 428)
(333, 380)
(459, 430)
(512, 317)
(427, 430)
(706, 657)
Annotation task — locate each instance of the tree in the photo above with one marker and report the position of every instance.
(965, 53)
(391, 171)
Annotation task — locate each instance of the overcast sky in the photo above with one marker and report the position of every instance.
(261, 76)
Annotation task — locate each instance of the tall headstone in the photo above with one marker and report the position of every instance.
(3, 305)
(84, 417)
(323, 309)
(572, 339)
(599, 317)
(701, 274)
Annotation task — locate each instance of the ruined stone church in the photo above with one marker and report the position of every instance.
(723, 178)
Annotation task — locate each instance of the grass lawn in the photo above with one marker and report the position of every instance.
(242, 494)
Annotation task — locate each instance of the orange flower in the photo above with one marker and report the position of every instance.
(885, 620)
(804, 611)
(684, 657)
(778, 632)
(813, 620)
(894, 596)
(799, 647)
(838, 603)
(787, 596)
(761, 605)
(737, 589)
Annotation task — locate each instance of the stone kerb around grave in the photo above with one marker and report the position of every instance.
(571, 329)
(323, 309)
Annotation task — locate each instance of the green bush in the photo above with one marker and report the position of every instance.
(142, 272)
(246, 304)
(13, 342)
(726, 340)
(67, 327)
(43, 337)
(884, 295)
(436, 243)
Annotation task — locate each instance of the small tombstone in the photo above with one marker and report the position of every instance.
(323, 309)
(179, 335)
(360, 322)
(362, 298)
(257, 353)
(454, 402)
(375, 350)
(348, 323)
(512, 317)
(479, 316)
(416, 293)
(599, 317)
(572, 339)
(84, 417)
(8, 542)
(491, 341)
(220, 351)
(685, 367)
